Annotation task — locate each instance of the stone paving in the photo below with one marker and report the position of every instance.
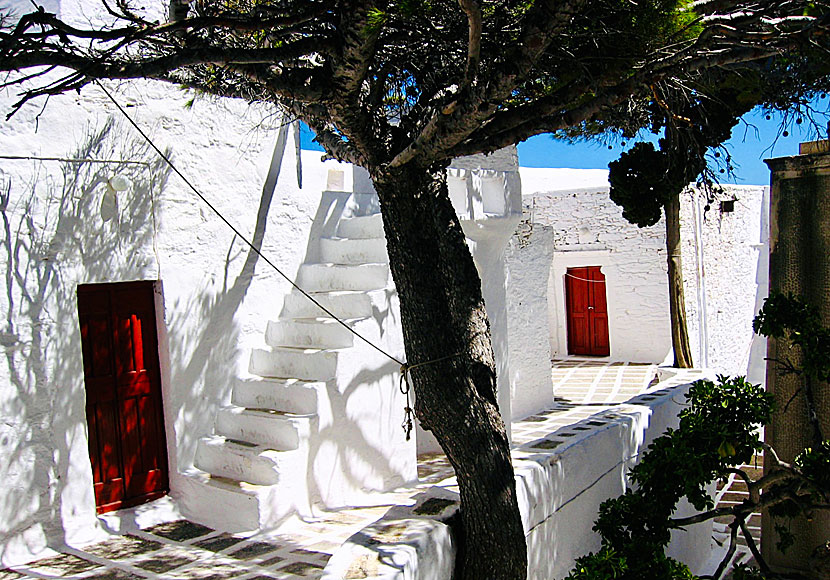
(184, 550)
(584, 389)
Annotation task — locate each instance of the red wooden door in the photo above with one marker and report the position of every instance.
(127, 444)
(587, 312)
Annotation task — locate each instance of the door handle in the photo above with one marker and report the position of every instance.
(590, 308)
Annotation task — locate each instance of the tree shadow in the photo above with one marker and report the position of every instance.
(54, 239)
(203, 333)
(355, 451)
(345, 443)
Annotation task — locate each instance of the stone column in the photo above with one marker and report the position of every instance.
(799, 264)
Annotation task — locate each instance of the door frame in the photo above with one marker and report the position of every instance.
(162, 360)
(557, 303)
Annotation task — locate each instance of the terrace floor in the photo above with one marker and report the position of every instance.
(172, 547)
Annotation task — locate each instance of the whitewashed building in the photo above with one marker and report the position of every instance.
(149, 351)
(136, 333)
(574, 256)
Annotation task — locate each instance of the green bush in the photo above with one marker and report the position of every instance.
(718, 431)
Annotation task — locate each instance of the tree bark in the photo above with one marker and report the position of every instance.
(677, 302)
(446, 333)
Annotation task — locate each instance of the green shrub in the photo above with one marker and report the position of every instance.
(718, 431)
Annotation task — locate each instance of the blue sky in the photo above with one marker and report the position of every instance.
(753, 140)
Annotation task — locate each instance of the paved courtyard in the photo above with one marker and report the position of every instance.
(180, 549)
(583, 389)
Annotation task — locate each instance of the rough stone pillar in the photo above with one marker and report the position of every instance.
(799, 264)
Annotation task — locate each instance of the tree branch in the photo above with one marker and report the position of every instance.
(456, 121)
(473, 10)
(526, 121)
(241, 60)
(52, 26)
(756, 553)
(540, 24)
(349, 69)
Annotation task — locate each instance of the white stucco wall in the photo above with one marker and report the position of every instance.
(588, 230)
(569, 221)
(725, 274)
(214, 309)
(529, 264)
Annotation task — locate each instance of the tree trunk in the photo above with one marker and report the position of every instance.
(677, 303)
(446, 333)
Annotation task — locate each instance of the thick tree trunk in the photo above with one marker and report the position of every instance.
(677, 302)
(446, 333)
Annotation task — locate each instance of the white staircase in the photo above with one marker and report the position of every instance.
(256, 468)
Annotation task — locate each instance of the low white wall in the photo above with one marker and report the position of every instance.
(560, 489)
(559, 492)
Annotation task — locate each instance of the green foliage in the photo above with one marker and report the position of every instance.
(637, 182)
(376, 19)
(745, 572)
(788, 317)
(604, 564)
(814, 463)
(608, 564)
(643, 179)
(717, 432)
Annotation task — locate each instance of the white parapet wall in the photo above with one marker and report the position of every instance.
(560, 489)
(561, 479)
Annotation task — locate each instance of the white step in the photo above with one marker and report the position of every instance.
(344, 305)
(287, 395)
(353, 251)
(252, 463)
(328, 277)
(278, 431)
(225, 504)
(238, 506)
(308, 333)
(362, 227)
(290, 363)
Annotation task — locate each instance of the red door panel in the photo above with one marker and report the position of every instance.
(576, 291)
(598, 313)
(110, 486)
(127, 443)
(587, 312)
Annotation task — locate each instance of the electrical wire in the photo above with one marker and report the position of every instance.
(404, 367)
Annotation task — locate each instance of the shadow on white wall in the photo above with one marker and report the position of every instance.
(53, 239)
